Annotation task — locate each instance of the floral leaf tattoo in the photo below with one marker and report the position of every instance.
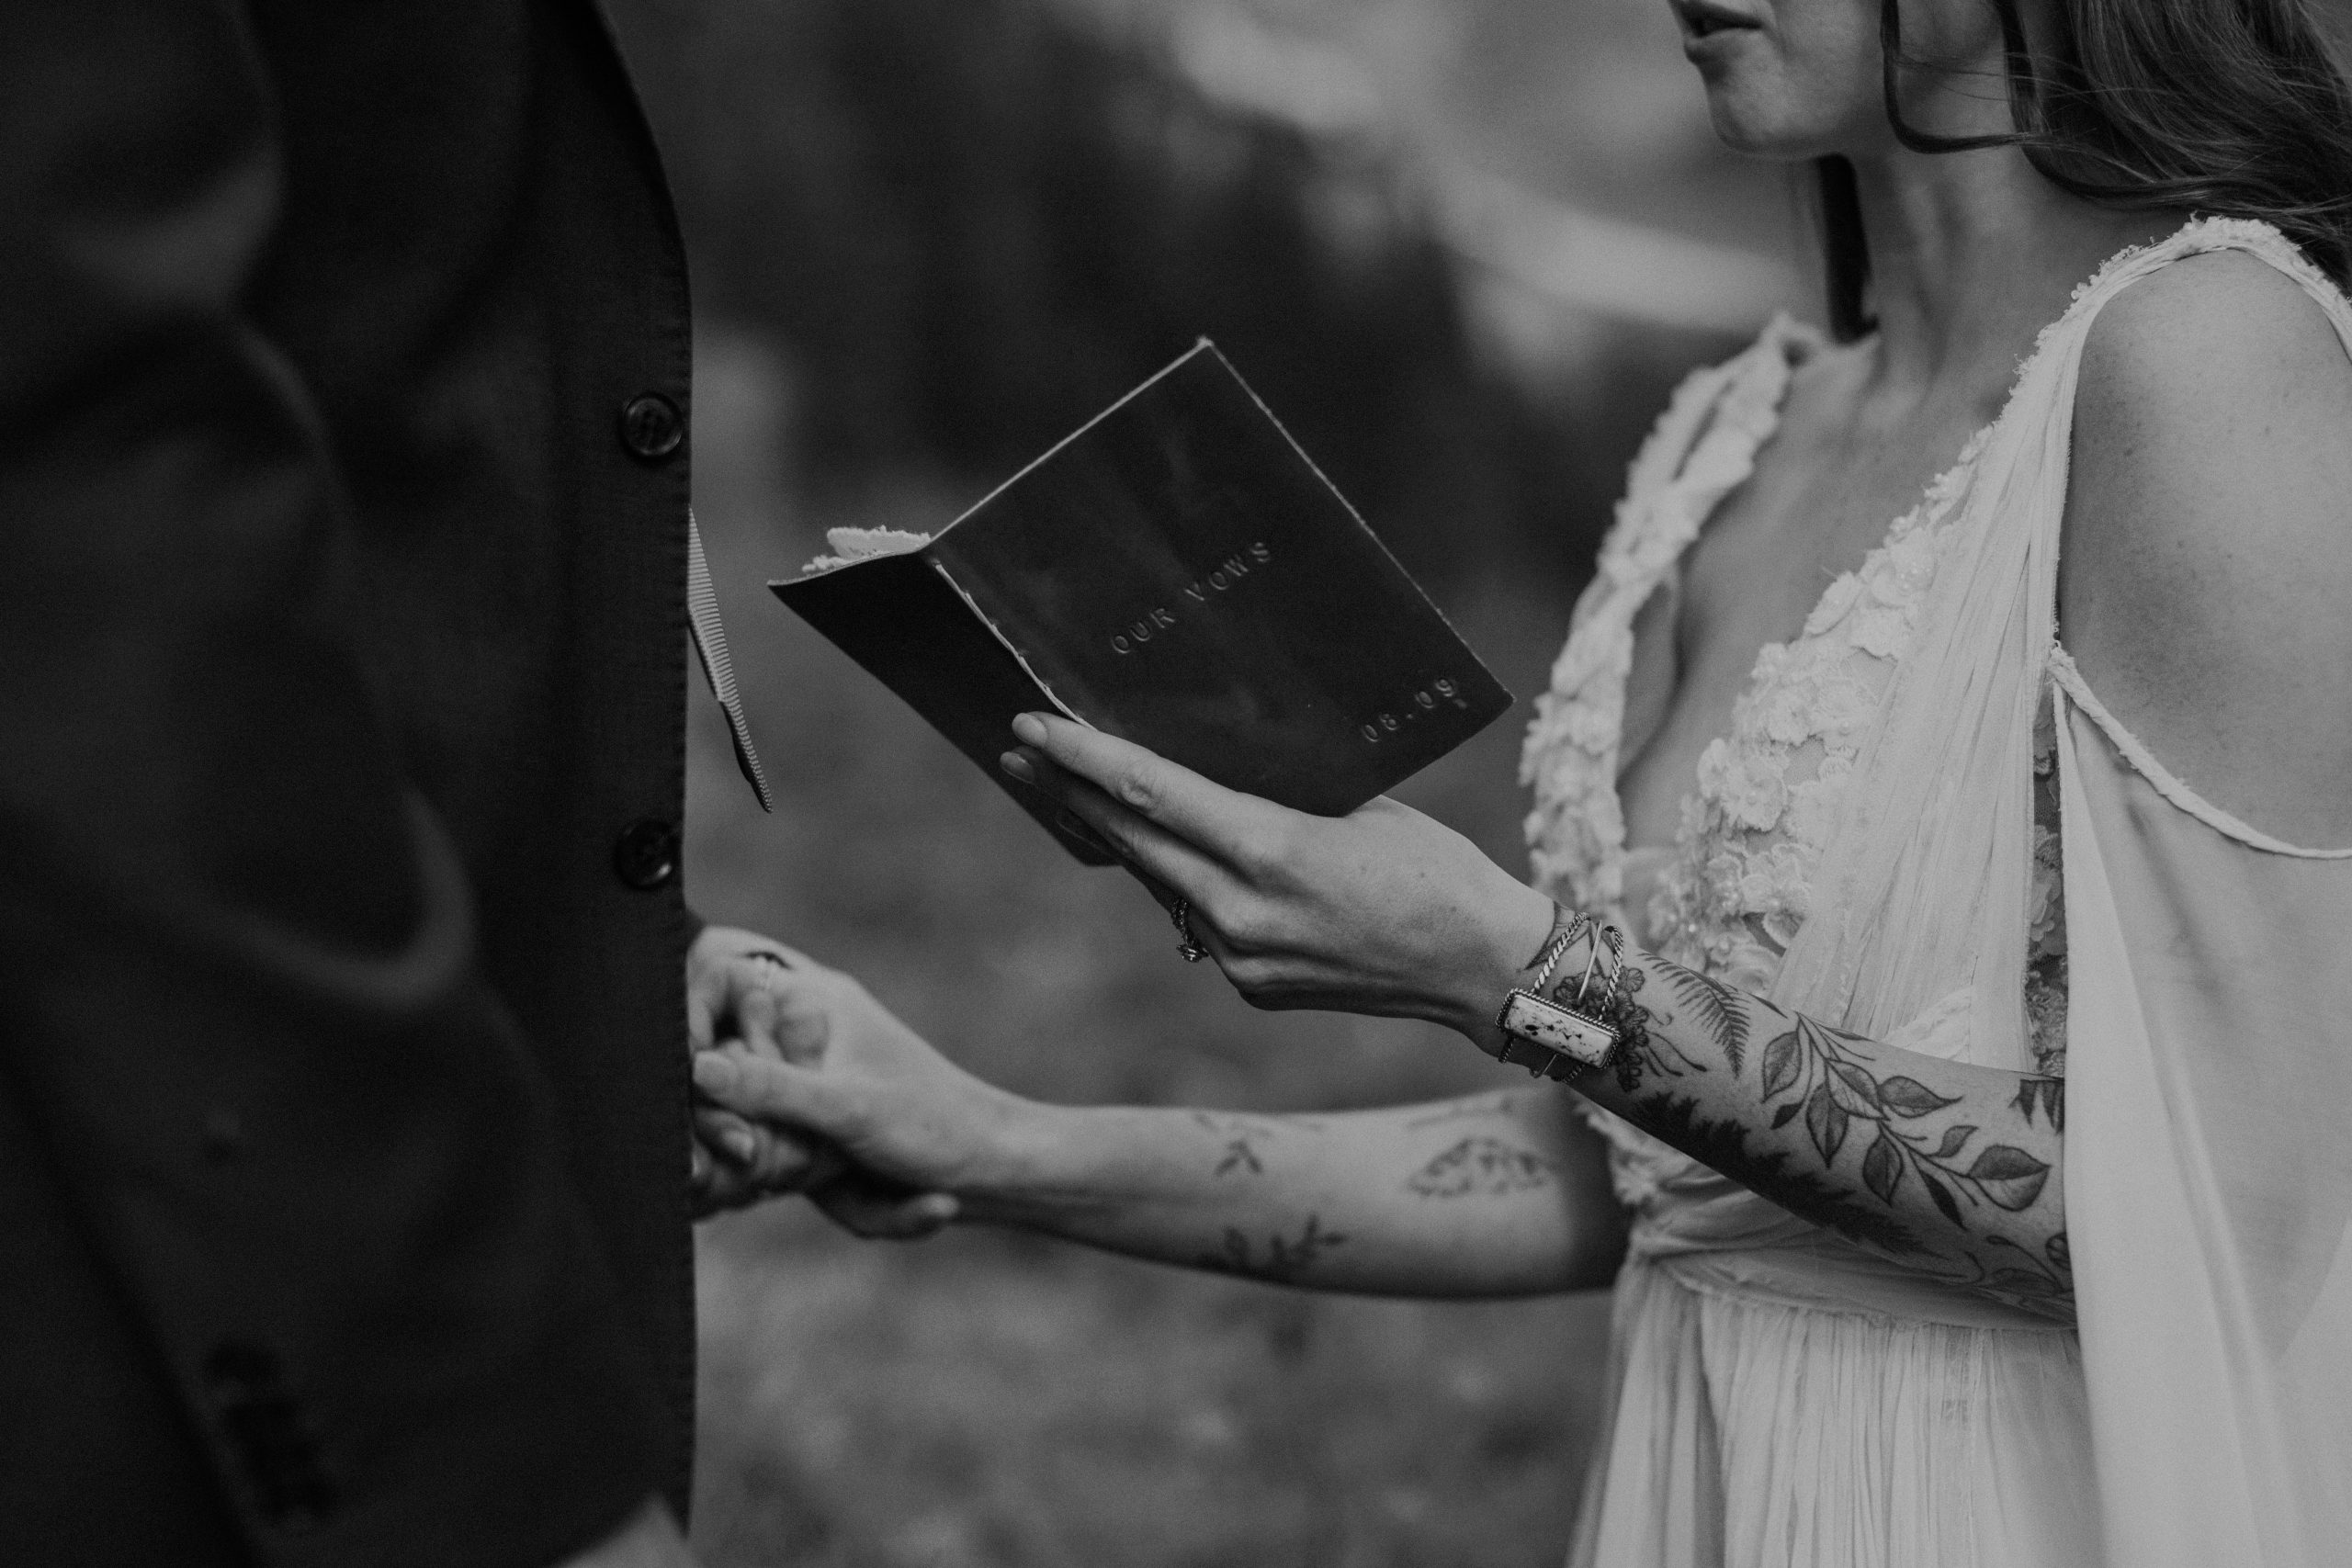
(1946, 1203)
(2010, 1177)
(1910, 1098)
(1722, 1145)
(1780, 1064)
(1282, 1261)
(2048, 1095)
(1883, 1167)
(1836, 1088)
(1825, 1121)
(1714, 1007)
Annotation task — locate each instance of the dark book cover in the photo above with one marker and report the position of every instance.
(1180, 574)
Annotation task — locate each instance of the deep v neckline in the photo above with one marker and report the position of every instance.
(1702, 447)
(1943, 484)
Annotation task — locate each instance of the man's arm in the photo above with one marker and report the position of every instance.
(301, 1133)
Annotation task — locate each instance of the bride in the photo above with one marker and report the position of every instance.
(1962, 1126)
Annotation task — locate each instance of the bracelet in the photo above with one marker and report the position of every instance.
(1556, 1040)
(1616, 941)
(1570, 927)
(1557, 949)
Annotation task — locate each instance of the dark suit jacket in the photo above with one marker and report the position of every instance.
(342, 1082)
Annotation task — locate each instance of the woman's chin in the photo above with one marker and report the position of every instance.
(1765, 130)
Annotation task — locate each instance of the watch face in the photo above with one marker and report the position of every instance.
(1559, 1029)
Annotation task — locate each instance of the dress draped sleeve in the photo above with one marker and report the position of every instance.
(2209, 1181)
(2209, 1019)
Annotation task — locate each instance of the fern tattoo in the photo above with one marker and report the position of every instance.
(1712, 1006)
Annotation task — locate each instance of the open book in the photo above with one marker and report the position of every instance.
(1177, 573)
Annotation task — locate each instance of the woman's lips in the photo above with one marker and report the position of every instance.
(1704, 18)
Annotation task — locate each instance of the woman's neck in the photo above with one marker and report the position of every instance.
(1971, 255)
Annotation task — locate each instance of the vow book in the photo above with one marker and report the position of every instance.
(1177, 573)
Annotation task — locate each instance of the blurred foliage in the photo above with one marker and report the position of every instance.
(973, 223)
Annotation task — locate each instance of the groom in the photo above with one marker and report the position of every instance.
(344, 381)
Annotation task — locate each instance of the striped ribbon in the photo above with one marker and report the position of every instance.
(710, 645)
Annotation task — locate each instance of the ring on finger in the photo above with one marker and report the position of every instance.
(1189, 949)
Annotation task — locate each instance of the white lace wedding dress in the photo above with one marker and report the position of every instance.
(1778, 1398)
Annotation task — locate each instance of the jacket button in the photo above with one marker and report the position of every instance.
(651, 427)
(646, 856)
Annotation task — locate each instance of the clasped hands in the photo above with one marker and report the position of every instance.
(805, 1083)
(752, 999)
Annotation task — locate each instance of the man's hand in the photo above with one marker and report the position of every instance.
(913, 1128)
(731, 997)
(650, 1540)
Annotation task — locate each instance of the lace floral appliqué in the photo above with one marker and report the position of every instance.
(1754, 829)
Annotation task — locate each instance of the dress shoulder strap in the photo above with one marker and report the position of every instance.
(2163, 780)
(2200, 236)
(1702, 447)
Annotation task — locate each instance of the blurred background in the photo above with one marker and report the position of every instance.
(1464, 248)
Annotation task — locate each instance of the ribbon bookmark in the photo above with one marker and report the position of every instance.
(710, 647)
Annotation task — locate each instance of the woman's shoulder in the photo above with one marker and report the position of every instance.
(2217, 326)
(2218, 386)
(2208, 557)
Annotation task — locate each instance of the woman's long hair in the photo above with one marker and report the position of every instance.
(2232, 108)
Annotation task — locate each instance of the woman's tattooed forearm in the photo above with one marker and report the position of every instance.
(1280, 1260)
(1825, 1075)
(1481, 1167)
(1986, 1261)
(1915, 1154)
